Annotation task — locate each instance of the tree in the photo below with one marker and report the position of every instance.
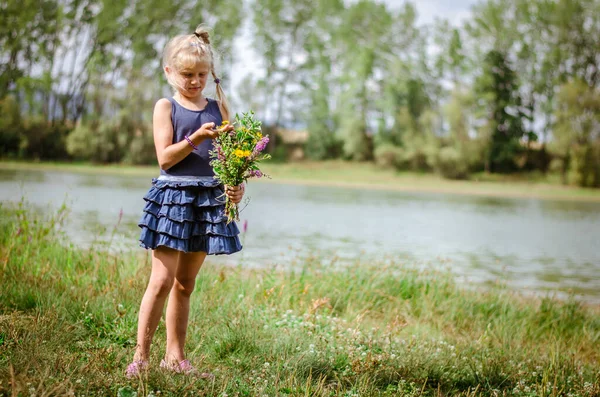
(363, 39)
(28, 35)
(498, 90)
(318, 79)
(280, 29)
(577, 133)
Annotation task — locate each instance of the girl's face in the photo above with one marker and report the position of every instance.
(192, 80)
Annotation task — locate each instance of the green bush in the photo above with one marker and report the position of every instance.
(141, 150)
(388, 155)
(99, 142)
(31, 138)
(10, 123)
(85, 144)
(42, 140)
(584, 165)
(323, 145)
(452, 164)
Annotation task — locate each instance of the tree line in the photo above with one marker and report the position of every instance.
(514, 88)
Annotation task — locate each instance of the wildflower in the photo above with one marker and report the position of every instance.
(242, 153)
(255, 173)
(261, 145)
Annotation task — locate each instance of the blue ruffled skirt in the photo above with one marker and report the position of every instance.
(187, 214)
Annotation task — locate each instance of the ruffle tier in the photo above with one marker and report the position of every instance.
(188, 216)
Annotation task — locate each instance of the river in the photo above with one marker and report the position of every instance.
(537, 246)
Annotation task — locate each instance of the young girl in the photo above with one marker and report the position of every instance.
(183, 220)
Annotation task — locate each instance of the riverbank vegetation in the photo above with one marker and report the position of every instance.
(68, 318)
(513, 88)
(360, 176)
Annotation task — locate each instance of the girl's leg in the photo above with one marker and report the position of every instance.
(164, 266)
(178, 308)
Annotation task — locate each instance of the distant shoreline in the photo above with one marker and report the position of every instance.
(359, 176)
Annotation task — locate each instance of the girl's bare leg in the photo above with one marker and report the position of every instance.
(164, 266)
(178, 308)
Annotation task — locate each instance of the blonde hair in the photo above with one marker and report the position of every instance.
(185, 51)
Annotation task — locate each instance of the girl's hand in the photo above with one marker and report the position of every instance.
(207, 130)
(235, 193)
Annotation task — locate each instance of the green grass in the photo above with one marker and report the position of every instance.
(360, 175)
(68, 320)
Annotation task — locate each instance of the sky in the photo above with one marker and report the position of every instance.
(456, 11)
(428, 10)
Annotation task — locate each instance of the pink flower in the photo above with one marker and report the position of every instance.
(261, 145)
(255, 174)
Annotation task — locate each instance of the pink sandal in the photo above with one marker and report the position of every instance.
(135, 368)
(184, 367)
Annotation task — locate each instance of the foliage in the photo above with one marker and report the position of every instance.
(451, 163)
(498, 89)
(355, 75)
(10, 123)
(577, 133)
(388, 155)
(41, 140)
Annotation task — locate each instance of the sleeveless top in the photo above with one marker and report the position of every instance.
(185, 122)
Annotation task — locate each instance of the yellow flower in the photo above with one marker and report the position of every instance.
(242, 153)
(225, 122)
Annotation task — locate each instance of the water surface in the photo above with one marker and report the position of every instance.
(544, 246)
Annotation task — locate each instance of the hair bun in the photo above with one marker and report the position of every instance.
(202, 34)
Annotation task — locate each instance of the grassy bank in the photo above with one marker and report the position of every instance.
(68, 318)
(361, 175)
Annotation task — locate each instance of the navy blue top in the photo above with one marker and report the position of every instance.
(186, 122)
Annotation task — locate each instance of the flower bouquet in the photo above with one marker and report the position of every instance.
(237, 154)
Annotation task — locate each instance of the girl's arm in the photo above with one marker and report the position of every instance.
(167, 152)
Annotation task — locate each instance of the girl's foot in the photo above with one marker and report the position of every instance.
(184, 367)
(135, 368)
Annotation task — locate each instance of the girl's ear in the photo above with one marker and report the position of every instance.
(167, 70)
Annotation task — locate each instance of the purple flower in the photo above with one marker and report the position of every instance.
(261, 145)
(245, 227)
(254, 174)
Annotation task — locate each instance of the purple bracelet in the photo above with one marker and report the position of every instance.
(190, 142)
